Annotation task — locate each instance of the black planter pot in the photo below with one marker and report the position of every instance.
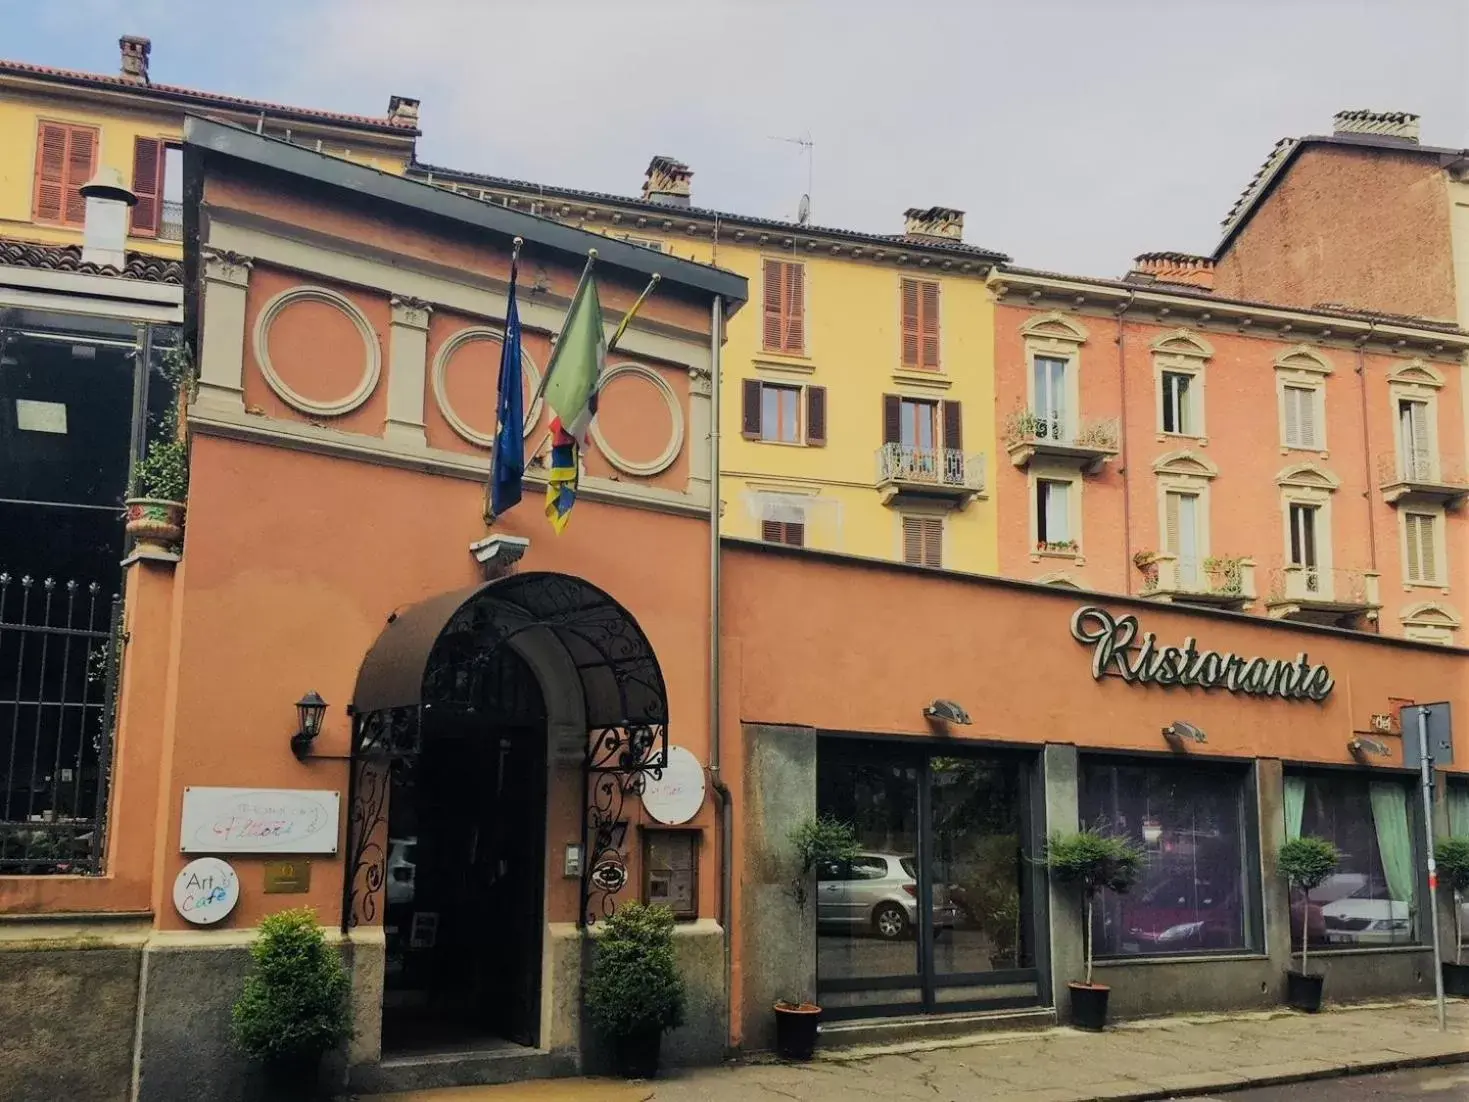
(295, 1078)
(1303, 992)
(1456, 979)
(795, 1030)
(1089, 1005)
(636, 1056)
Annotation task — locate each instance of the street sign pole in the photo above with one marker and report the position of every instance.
(1425, 768)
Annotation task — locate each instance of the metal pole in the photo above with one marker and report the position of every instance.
(1425, 767)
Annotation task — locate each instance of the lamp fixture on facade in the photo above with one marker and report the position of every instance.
(498, 554)
(1178, 732)
(1363, 748)
(946, 711)
(310, 711)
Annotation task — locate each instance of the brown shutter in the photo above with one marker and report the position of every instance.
(910, 323)
(953, 426)
(933, 541)
(816, 416)
(50, 172)
(774, 299)
(795, 320)
(930, 328)
(750, 409)
(81, 152)
(795, 533)
(147, 185)
(770, 531)
(892, 412)
(913, 540)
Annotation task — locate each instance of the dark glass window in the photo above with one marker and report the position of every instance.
(1192, 895)
(1372, 897)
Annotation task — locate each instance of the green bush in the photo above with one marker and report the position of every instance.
(816, 842)
(1452, 857)
(294, 1005)
(163, 472)
(634, 987)
(1093, 861)
(1306, 863)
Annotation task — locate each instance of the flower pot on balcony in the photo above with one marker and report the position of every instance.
(154, 523)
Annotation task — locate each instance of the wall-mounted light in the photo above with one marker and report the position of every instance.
(1363, 748)
(310, 711)
(1178, 733)
(946, 711)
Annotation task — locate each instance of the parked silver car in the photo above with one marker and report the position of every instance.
(877, 892)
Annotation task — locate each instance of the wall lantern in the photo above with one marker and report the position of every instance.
(946, 711)
(1363, 748)
(1178, 733)
(310, 710)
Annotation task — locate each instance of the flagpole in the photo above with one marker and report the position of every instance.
(515, 251)
(586, 273)
(627, 317)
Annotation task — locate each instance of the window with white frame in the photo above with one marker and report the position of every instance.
(1301, 373)
(1304, 533)
(1180, 359)
(1178, 402)
(1053, 529)
(1415, 440)
(1048, 397)
(1182, 514)
(780, 413)
(1422, 559)
(1303, 414)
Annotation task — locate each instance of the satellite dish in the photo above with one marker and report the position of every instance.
(803, 210)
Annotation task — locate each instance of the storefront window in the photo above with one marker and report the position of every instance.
(1457, 793)
(1372, 897)
(1192, 895)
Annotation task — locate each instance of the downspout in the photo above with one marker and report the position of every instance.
(1367, 452)
(721, 790)
(1122, 432)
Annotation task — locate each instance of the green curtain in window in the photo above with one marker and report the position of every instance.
(1295, 806)
(1394, 843)
(1458, 796)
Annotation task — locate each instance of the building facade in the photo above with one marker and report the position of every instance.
(1164, 441)
(856, 407)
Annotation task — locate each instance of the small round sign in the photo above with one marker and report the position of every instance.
(676, 796)
(206, 891)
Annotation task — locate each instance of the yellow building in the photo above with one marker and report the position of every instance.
(858, 399)
(59, 128)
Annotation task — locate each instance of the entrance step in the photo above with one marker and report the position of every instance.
(838, 1038)
(424, 1071)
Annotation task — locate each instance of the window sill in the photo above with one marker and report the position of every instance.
(777, 443)
(1071, 556)
(1286, 449)
(800, 366)
(1439, 587)
(1226, 957)
(1376, 950)
(1183, 438)
(931, 380)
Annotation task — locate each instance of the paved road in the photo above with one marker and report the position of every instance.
(1442, 1084)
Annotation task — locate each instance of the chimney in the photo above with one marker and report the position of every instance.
(105, 231)
(667, 182)
(934, 224)
(135, 51)
(1386, 124)
(1168, 267)
(403, 111)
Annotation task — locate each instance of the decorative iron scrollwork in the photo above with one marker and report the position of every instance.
(368, 867)
(619, 762)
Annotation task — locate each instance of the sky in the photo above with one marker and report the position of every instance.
(1075, 134)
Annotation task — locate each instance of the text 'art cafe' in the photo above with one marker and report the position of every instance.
(1206, 738)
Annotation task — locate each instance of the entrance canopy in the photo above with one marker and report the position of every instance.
(423, 655)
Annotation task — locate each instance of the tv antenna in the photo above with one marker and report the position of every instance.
(808, 149)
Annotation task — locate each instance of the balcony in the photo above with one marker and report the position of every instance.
(1419, 476)
(1087, 444)
(171, 221)
(931, 474)
(1334, 598)
(1222, 581)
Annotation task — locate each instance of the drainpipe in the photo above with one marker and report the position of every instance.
(1122, 432)
(721, 790)
(1367, 444)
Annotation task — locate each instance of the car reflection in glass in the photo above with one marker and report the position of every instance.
(1180, 913)
(877, 893)
(1369, 916)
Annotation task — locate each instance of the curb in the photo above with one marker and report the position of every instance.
(1344, 1071)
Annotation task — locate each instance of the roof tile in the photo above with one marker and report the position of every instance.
(68, 258)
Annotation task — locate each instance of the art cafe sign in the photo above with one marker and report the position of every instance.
(1118, 651)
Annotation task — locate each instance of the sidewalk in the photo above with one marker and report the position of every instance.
(1158, 1059)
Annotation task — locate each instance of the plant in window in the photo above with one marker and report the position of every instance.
(634, 993)
(1063, 547)
(1306, 863)
(1094, 862)
(1023, 425)
(1452, 858)
(1101, 435)
(159, 485)
(1226, 573)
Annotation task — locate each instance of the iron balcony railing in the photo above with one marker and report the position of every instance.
(1225, 577)
(1297, 584)
(937, 467)
(171, 222)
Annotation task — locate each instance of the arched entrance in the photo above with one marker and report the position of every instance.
(481, 719)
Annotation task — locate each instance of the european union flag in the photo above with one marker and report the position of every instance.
(509, 456)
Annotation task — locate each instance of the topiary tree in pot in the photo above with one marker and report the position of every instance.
(159, 485)
(634, 993)
(1306, 863)
(1094, 862)
(293, 1010)
(1452, 858)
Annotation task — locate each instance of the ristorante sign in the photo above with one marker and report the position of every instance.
(1117, 650)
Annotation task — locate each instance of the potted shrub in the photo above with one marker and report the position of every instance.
(293, 1010)
(819, 841)
(1094, 862)
(1452, 857)
(1306, 863)
(634, 993)
(160, 482)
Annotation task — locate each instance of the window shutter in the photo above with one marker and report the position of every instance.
(816, 416)
(1306, 400)
(795, 533)
(50, 173)
(147, 185)
(80, 153)
(1171, 505)
(1415, 560)
(795, 319)
(750, 409)
(910, 323)
(1427, 552)
(933, 541)
(892, 415)
(1292, 417)
(1422, 458)
(771, 531)
(912, 540)
(930, 328)
(953, 426)
(773, 301)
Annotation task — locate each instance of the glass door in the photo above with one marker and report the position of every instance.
(935, 912)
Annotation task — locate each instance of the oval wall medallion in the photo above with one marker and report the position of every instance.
(442, 359)
(664, 459)
(372, 363)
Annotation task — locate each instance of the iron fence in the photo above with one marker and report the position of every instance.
(60, 651)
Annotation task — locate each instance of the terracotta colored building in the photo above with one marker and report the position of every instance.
(1169, 442)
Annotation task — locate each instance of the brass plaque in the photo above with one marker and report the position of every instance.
(287, 877)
